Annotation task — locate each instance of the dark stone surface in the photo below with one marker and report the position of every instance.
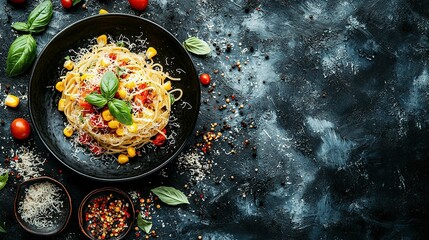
(335, 104)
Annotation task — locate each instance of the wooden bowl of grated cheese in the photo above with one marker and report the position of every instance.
(42, 206)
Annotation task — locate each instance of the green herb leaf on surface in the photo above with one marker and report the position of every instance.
(170, 195)
(2, 228)
(109, 84)
(20, 26)
(120, 110)
(40, 17)
(3, 180)
(197, 46)
(172, 98)
(144, 224)
(21, 55)
(96, 99)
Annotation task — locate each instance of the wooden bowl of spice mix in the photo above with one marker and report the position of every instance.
(42, 206)
(106, 213)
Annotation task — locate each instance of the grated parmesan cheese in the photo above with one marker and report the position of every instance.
(26, 163)
(195, 163)
(41, 203)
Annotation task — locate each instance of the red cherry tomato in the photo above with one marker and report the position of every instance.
(139, 5)
(17, 1)
(205, 79)
(20, 128)
(67, 3)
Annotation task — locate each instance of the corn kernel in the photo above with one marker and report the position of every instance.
(68, 131)
(84, 77)
(68, 64)
(122, 159)
(59, 86)
(11, 101)
(107, 116)
(130, 85)
(167, 85)
(120, 132)
(132, 128)
(102, 40)
(131, 152)
(151, 52)
(122, 93)
(103, 11)
(113, 124)
(61, 104)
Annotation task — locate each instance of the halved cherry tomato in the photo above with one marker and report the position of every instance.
(67, 3)
(139, 5)
(87, 107)
(159, 138)
(205, 79)
(112, 56)
(20, 128)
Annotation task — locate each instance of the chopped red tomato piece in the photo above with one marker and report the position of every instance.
(160, 138)
(87, 107)
(98, 122)
(112, 56)
(84, 138)
(97, 150)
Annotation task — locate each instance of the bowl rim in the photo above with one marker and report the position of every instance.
(101, 190)
(103, 179)
(35, 180)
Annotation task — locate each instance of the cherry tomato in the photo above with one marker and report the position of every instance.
(159, 139)
(67, 3)
(17, 1)
(139, 5)
(20, 128)
(205, 79)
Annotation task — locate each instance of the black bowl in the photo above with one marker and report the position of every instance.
(49, 122)
(60, 220)
(115, 194)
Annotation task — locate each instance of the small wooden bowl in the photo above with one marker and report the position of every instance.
(117, 194)
(60, 220)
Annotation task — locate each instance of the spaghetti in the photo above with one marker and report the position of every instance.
(116, 100)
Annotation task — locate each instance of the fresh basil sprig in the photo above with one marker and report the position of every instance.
(22, 53)
(144, 224)
(38, 19)
(196, 46)
(3, 180)
(119, 109)
(2, 228)
(170, 195)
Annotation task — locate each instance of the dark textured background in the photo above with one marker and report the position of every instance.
(335, 97)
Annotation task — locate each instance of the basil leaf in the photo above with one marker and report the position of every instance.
(120, 110)
(3, 180)
(197, 46)
(96, 99)
(109, 84)
(2, 228)
(144, 224)
(20, 26)
(40, 17)
(22, 53)
(172, 99)
(170, 195)
(76, 2)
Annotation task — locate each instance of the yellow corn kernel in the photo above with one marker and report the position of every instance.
(59, 86)
(11, 101)
(122, 93)
(68, 131)
(132, 128)
(68, 64)
(107, 116)
(105, 62)
(130, 85)
(103, 11)
(61, 104)
(120, 132)
(102, 39)
(131, 152)
(113, 124)
(151, 52)
(167, 85)
(122, 159)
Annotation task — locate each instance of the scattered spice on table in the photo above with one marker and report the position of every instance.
(107, 216)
